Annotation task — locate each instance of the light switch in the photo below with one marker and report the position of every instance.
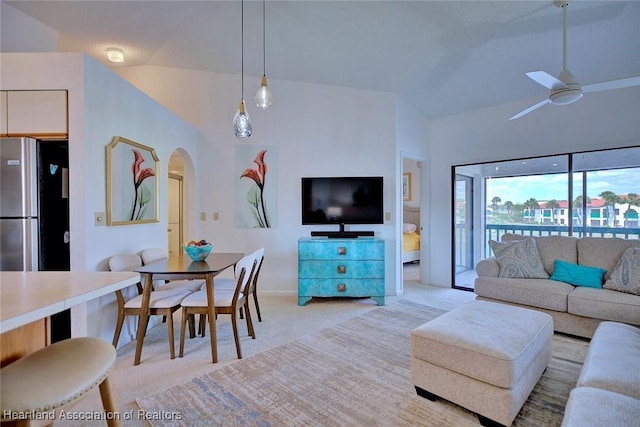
(203, 216)
(216, 216)
(388, 216)
(100, 218)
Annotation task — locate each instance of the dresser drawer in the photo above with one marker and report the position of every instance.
(341, 249)
(337, 287)
(340, 269)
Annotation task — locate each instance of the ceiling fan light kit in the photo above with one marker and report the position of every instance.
(566, 89)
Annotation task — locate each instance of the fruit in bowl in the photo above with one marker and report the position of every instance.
(198, 250)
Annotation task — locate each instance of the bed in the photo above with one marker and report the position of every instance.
(410, 234)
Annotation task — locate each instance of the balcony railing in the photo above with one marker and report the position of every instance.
(495, 232)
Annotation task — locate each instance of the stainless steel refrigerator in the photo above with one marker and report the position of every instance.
(34, 210)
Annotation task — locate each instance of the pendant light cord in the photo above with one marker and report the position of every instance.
(264, 48)
(242, 49)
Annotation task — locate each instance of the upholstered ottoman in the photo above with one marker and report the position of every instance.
(483, 356)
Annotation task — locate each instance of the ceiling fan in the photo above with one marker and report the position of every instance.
(566, 89)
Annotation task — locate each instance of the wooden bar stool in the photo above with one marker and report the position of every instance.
(54, 376)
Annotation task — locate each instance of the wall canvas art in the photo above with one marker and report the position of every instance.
(256, 198)
(132, 183)
(406, 186)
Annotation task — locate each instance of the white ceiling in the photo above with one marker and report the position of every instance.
(443, 57)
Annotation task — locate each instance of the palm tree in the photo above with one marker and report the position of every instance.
(577, 205)
(610, 199)
(531, 205)
(553, 205)
(508, 206)
(633, 200)
(494, 203)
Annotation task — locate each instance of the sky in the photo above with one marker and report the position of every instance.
(547, 187)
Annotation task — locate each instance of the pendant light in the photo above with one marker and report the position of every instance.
(263, 95)
(241, 120)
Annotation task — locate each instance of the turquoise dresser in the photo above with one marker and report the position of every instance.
(340, 267)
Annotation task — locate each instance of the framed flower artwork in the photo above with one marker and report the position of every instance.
(132, 184)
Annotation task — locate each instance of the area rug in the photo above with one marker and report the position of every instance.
(356, 373)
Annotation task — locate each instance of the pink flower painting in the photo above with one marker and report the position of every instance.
(255, 196)
(142, 194)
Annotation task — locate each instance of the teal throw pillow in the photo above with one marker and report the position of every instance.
(578, 275)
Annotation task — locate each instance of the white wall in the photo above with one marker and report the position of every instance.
(22, 33)
(599, 120)
(317, 131)
(101, 105)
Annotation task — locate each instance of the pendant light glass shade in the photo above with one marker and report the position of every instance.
(263, 95)
(242, 122)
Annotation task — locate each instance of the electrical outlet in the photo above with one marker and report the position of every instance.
(100, 218)
(203, 216)
(216, 216)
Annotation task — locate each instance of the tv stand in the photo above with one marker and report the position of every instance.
(342, 234)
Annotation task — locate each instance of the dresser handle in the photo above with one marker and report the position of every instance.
(342, 287)
(342, 250)
(342, 269)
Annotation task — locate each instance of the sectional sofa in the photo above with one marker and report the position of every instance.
(608, 389)
(522, 275)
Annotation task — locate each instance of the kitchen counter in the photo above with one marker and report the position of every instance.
(29, 296)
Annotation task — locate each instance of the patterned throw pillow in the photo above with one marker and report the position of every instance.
(626, 276)
(519, 259)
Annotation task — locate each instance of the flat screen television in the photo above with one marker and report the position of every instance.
(342, 200)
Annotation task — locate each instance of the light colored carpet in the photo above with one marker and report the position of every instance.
(355, 373)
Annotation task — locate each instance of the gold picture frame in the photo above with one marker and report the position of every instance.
(406, 186)
(132, 183)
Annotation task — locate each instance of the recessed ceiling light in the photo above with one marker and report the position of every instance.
(115, 54)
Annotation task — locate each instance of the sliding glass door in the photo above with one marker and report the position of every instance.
(577, 194)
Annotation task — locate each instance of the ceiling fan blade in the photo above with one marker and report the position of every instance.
(612, 84)
(546, 79)
(530, 109)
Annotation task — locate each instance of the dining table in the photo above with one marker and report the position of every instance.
(180, 267)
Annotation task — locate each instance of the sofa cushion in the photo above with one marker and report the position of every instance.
(589, 406)
(551, 248)
(603, 252)
(578, 275)
(626, 276)
(604, 304)
(488, 267)
(613, 360)
(542, 293)
(519, 259)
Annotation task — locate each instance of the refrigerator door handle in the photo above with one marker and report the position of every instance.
(30, 249)
(67, 237)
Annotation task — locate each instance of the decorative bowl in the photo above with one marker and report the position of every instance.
(198, 253)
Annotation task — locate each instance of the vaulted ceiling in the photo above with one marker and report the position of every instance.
(443, 57)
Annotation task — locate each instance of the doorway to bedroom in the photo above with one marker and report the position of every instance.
(411, 224)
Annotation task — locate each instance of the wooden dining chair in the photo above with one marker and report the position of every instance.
(228, 283)
(226, 302)
(162, 302)
(150, 255)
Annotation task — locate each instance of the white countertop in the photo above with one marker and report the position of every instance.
(27, 296)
